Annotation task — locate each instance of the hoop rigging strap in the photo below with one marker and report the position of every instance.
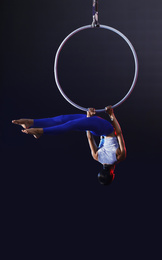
(95, 22)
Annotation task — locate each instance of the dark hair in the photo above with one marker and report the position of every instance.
(106, 176)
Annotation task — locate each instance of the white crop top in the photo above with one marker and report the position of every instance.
(107, 150)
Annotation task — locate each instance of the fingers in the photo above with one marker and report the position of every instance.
(92, 110)
(108, 108)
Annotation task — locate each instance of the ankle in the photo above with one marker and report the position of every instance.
(40, 131)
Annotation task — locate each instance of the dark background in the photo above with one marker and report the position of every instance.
(52, 203)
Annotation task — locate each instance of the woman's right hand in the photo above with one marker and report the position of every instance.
(91, 112)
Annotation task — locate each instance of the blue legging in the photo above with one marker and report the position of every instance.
(77, 122)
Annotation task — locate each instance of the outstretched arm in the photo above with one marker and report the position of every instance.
(122, 153)
(91, 141)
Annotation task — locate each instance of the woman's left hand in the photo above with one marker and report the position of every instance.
(91, 112)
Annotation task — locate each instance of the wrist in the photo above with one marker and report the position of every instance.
(88, 133)
(111, 117)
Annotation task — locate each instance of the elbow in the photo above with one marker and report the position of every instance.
(124, 154)
(95, 156)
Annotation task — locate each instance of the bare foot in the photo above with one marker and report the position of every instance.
(36, 132)
(25, 123)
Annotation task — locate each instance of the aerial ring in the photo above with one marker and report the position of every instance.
(135, 63)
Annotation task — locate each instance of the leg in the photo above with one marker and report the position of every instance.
(58, 120)
(47, 122)
(96, 125)
(58, 127)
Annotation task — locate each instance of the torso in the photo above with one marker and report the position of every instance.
(118, 151)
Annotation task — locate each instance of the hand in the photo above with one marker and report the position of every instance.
(109, 111)
(91, 112)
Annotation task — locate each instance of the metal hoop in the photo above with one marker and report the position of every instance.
(110, 29)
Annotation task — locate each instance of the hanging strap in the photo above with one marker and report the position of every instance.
(95, 22)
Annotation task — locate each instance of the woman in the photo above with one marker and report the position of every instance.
(111, 149)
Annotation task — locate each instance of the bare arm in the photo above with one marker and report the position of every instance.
(91, 141)
(92, 145)
(122, 152)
